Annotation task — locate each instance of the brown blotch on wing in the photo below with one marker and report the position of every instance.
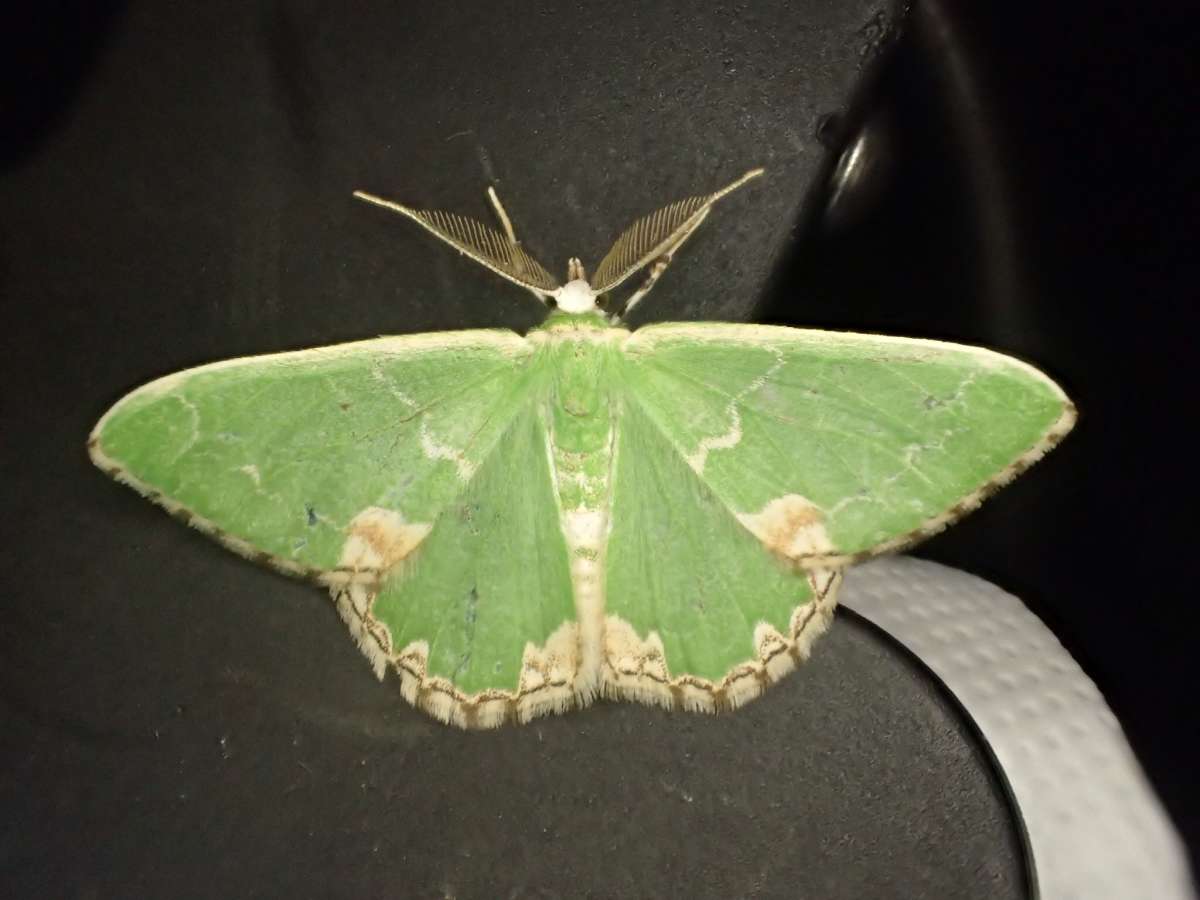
(380, 538)
(790, 526)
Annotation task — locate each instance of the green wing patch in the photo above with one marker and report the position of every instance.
(480, 620)
(834, 447)
(276, 455)
(698, 614)
(408, 474)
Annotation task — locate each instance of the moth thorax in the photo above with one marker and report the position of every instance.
(576, 296)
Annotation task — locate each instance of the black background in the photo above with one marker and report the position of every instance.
(175, 190)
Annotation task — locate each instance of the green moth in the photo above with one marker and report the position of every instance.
(518, 525)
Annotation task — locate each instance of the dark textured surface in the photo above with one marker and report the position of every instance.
(181, 723)
(220, 763)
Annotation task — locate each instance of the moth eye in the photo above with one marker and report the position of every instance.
(552, 303)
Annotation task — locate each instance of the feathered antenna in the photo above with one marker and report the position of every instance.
(655, 238)
(501, 253)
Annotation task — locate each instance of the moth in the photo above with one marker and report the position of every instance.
(520, 524)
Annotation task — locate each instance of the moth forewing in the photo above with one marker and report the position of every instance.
(834, 447)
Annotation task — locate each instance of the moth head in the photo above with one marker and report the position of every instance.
(576, 296)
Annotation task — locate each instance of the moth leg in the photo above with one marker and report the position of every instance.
(502, 215)
(658, 267)
(506, 224)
